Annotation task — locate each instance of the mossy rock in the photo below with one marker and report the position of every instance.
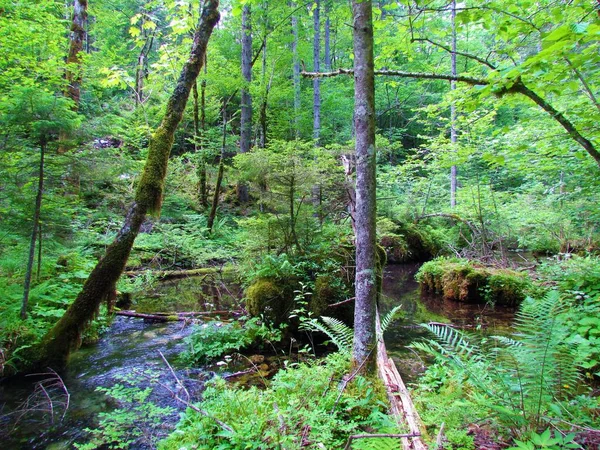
(464, 281)
(406, 242)
(270, 298)
(328, 291)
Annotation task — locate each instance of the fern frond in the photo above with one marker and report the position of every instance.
(390, 317)
(339, 333)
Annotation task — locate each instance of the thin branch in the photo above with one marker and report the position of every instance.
(449, 50)
(402, 74)
(586, 86)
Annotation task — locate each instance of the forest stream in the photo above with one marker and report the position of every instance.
(131, 351)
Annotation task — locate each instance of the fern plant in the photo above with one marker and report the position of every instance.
(521, 378)
(341, 334)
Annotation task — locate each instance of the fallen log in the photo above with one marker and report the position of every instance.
(401, 405)
(174, 316)
(175, 274)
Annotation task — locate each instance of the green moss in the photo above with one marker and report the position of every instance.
(150, 189)
(324, 294)
(465, 281)
(405, 241)
(270, 298)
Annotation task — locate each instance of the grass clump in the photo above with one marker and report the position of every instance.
(302, 408)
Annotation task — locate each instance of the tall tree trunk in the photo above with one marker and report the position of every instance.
(317, 68)
(215, 202)
(202, 157)
(246, 98)
(296, 73)
(34, 233)
(77, 38)
(199, 129)
(364, 120)
(327, 37)
(453, 136)
(66, 333)
(262, 143)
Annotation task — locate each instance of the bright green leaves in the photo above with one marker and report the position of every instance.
(37, 113)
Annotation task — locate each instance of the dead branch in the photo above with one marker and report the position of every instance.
(187, 402)
(175, 316)
(343, 302)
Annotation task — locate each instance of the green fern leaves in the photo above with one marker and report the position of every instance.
(518, 377)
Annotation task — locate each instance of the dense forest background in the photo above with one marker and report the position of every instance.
(487, 120)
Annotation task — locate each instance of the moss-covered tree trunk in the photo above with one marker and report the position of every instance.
(66, 334)
(364, 122)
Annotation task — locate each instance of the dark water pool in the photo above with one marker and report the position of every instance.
(400, 288)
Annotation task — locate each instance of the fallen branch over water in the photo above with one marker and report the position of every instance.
(176, 316)
(175, 274)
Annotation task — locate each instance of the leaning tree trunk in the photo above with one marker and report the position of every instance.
(246, 98)
(317, 68)
(66, 334)
(364, 120)
(215, 202)
(34, 233)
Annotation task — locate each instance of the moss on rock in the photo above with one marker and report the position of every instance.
(267, 297)
(465, 281)
(407, 242)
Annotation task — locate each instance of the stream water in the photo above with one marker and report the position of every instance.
(131, 350)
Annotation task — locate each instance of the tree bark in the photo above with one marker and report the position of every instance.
(215, 203)
(364, 120)
(453, 108)
(77, 39)
(296, 74)
(317, 68)
(73, 73)
(65, 336)
(246, 97)
(199, 128)
(34, 233)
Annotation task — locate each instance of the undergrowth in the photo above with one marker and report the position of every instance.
(303, 407)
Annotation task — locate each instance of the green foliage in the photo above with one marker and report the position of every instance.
(300, 406)
(212, 340)
(341, 334)
(546, 439)
(521, 379)
(136, 420)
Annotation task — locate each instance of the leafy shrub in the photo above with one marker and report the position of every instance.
(136, 420)
(215, 339)
(300, 408)
(522, 380)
